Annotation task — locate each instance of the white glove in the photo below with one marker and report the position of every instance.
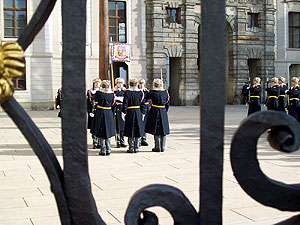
(92, 114)
(123, 116)
(58, 107)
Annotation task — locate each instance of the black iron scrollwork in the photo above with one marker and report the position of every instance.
(284, 136)
(71, 186)
(33, 135)
(44, 152)
(36, 23)
(168, 197)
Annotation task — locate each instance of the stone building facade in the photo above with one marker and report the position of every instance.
(251, 43)
(172, 47)
(164, 37)
(173, 50)
(287, 31)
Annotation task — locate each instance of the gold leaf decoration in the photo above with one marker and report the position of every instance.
(12, 67)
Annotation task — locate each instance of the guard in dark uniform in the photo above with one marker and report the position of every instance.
(245, 93)
(255, 95)
(103, 122)
(58, 101)
(91, 108)
(157, 121)
(281, 98)
(294, 99)
(119, 93)
(133, 107)
(147, 109)
(273, 93)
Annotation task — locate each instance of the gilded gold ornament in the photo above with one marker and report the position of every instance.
(12, 67)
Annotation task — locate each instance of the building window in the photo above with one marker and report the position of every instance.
(294, 30)
(252, 20)
(117, 21)
(15, 17)
(20, 84)
(174, 15)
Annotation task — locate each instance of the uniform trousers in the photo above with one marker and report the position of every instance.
(104, 145)
(134, 143)
(160, 142)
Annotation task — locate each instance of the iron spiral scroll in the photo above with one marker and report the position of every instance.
(71, 186)
(284, 135)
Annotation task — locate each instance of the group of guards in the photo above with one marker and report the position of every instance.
(279, 96)
(131, 113)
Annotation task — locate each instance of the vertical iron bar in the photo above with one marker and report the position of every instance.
(74, 134)
(212, 90)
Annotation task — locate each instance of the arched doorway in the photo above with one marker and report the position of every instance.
(231, 96)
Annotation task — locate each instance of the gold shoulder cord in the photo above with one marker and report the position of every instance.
(12, 67)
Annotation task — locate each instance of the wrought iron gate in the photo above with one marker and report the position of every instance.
(71, 186)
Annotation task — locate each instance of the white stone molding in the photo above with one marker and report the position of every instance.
(232, 22)
(254, 53)
(173, 50)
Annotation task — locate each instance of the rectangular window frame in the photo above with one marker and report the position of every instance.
(292, 29)
(170, 17)
(14, 9)
(14, 37)
(117, 18)
(251, 22)
(16, 83)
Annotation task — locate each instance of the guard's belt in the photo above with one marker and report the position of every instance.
(272, 97)
(294, 99)
(134, 107)
(119, 103)
(102, 107)
(281, 95)
(158, 106)
(146, 103)
(254, 96)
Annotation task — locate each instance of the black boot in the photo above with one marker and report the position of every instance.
(136, 144)
(122, 141)
(107, 144)
(95, 142)
(157, 144)
(102, 153)
(144, 143)
(131, 145)
(102, 146)
(163, 143)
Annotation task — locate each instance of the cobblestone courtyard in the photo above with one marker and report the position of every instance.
(26, 199)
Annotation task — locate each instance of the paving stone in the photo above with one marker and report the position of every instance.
(26, 198)
(49, 220)
(9, 203)
(16, 222)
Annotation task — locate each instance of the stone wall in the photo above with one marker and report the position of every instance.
(181, 40)
(249, 43)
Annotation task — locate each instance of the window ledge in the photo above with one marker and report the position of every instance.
(293, 49)
(9, 39)
(253, 29)
(172, 25)
(21, 91)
